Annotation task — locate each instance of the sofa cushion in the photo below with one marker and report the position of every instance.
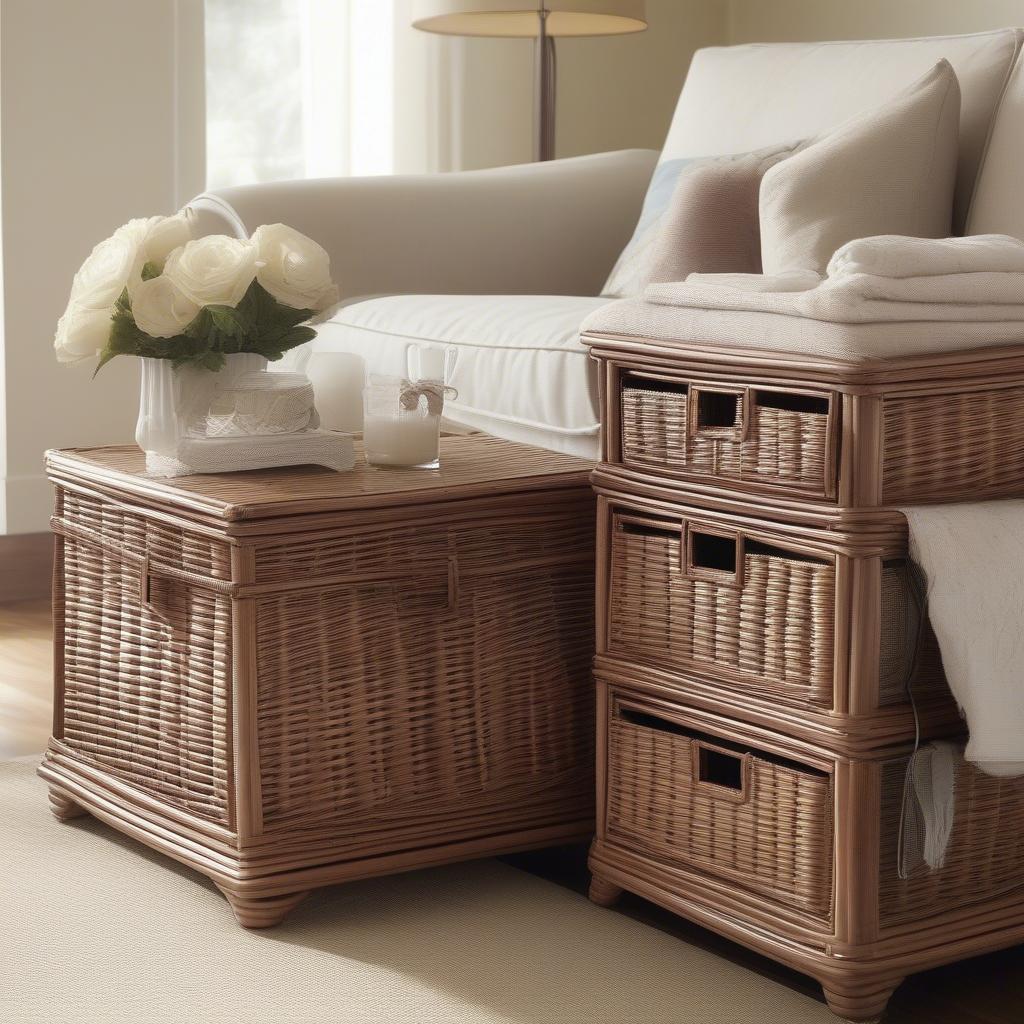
(890, 170)
(741, 98)
(521, 371)
(747, 330)
(997, 207)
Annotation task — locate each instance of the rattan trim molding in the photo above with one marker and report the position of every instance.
(861, 376)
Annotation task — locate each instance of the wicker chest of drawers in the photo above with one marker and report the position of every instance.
(292, 678)
(764, 661)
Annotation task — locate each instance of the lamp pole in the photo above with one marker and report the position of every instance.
(544, 92)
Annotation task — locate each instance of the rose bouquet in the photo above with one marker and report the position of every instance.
(152, 290)
(204, 316)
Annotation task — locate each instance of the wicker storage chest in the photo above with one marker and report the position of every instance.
(813, 436)
(795, 849)
(292, 678)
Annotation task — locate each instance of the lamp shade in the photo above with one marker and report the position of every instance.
(522, 17)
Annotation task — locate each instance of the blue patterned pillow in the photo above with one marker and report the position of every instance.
(629, 275)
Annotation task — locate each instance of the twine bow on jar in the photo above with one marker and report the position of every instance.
(411, 391)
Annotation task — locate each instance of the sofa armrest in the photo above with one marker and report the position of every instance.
(534, 229)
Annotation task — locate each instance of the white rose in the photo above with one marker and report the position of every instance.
(213, 271)
(293, 268)
(108, 269)
(164, 235)
(82, 332)
(160, 309)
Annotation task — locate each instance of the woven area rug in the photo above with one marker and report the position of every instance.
(97, 929)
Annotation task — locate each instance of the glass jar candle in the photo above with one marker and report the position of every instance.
(402, 422)
(402, 415)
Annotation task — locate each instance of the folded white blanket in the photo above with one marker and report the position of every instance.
(858, 298)
(901, 256)
(792, 281)
(973, 558)
(886, 279)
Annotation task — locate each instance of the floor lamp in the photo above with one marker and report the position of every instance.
(542, 20)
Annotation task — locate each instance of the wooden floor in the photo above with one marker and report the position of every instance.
(26, 677)
(986, 990)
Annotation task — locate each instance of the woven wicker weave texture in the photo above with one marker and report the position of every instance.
(846, 439)
(784, 445)
(334, 689)
(759, 620)
(764, 620)
(766, 824)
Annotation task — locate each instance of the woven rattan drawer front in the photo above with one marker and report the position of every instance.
(770, 626)
(440, 706)
(146, 684)
(984, 858)
(767, 626)
(783, 438)
(690, 800)
(953, 446)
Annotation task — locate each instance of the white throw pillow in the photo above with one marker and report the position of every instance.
(890, 171)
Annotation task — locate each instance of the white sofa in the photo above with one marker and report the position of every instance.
(505, 264)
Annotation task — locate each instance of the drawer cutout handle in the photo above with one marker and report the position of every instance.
(654, 384)
(724, 772)
(793, 401)
(713, 555)
(718, 412)
(645, 526)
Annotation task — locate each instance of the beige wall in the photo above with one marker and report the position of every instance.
(616, 92)
(95, 128)
(801, 20)
(619, 92)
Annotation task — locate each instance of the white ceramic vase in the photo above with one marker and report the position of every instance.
(174, 402)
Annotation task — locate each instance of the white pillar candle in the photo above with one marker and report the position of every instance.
(337, 379)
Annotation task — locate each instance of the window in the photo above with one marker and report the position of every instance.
(298, 89)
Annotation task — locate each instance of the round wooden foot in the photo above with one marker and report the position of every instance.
(64, 808)
(262, 911)
(604, 893)
(863, 1003)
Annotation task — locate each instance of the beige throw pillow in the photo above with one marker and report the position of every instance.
(711, 225)
(890, 171)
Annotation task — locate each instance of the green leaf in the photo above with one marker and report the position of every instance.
(105, 356)
(207, 360)
(230, 322)
(297, 336)
(269, 315)
(259, 324)
(200, 325)
(150, 270)
(127, 338)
